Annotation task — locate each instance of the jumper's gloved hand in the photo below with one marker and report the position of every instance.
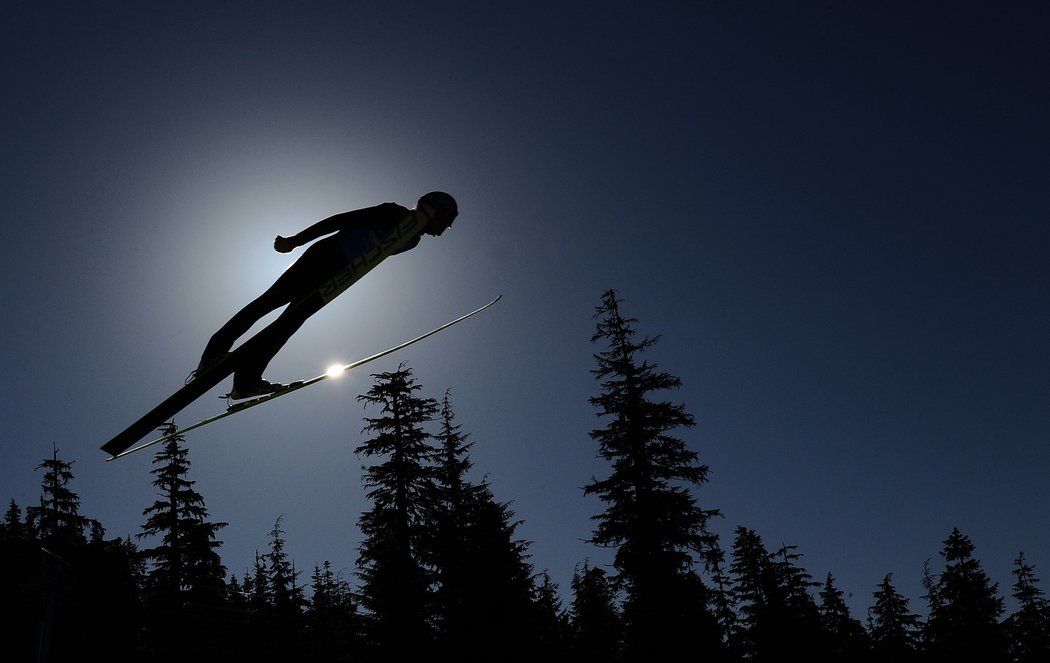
(284, 244)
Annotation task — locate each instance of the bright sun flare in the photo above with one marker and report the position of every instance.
(334, 371)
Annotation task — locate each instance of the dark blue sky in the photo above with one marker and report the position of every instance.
(834, 214)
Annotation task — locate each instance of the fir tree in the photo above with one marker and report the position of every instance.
(13, 528)
(450, 550)
(396, 582)
(803, 632)
(754, 593)
(723, 604)
(57, 519)
(483, 579)
(257, 589)
(187, 568)
(596, 624)
(778, 616)
(237, 595)
(79, 586)
(185, 584)
(845, 636)
(964, 608)
(285, 597)
(331, 618)
(550, 621)
(284, 626)
(794, 581)
(1028, 629)
(893, 628)
(651, 518)
(262, 637)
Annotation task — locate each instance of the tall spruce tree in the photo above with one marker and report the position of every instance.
(550, 621)
(483, 600)
(1028, 628)
(57, 519)
(965, 606)
(396, 583)
(257, 589)
(596, 625)
(286, 601)
(651, 518)
(756, 595)
(186, 566)
(254, 603)
(332, 623)
(844, 635)
(894, 630)
(778, 617)
(450, 550)
(237, 596)
(285, 595)
(723, 604)
(185, 586)
(14, 528)
(81, 585)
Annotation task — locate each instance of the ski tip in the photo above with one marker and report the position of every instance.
(117, 456)
(498, 297)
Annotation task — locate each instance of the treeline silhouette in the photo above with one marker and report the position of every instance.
(440, 573)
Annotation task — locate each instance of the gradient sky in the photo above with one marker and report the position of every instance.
(834, 214)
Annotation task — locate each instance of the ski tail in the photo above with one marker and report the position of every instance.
(171, 406)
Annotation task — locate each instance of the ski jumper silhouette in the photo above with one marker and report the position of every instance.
(353, 242)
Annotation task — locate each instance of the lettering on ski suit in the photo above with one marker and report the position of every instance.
(403, 237)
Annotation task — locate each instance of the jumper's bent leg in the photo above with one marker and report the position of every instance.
(257, 352)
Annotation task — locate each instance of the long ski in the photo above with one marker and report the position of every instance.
(300, 384)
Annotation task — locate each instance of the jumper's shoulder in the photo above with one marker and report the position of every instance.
(380, 217)
(393, 209)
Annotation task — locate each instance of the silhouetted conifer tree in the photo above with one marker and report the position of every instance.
(483, 580)
(13, 528)
(285, 598)
(257, 588)
(75, 586)
(395, 581)
(57, 519)
(333, 628)
(1028, 628)
(252, 604)
(963, 622)
(845, 637)
(237, 595)
(186, 566)
(778, 617)
(651, 518)
(451, 551)
(754, 591)
(185, 587)
(596, 625)
(803, 616)
(550, 621)
(723, 604)
(894, 630)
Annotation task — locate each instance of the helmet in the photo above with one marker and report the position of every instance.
(444, 204)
